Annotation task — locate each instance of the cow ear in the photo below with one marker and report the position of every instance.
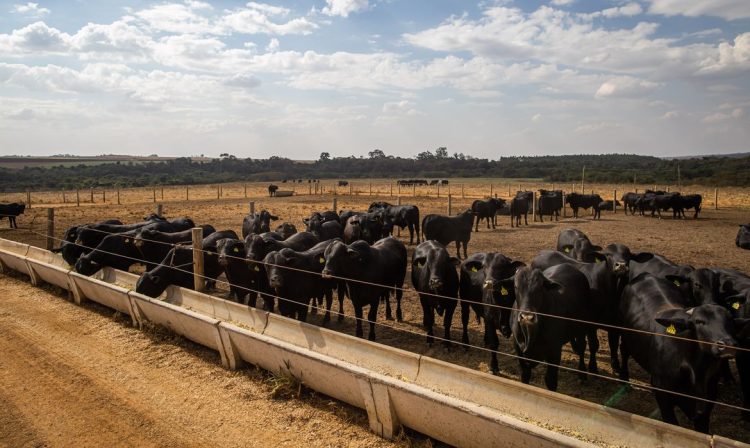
(473, 266)
(507, 286)
(352, 253)
(596, 248)
(567, 248)
(642, 257)
(274, 218)
(551, 285)
(734, 302)
(674, 321)
(678, 280)
(454, 261)
(516, 265)
(306, 220)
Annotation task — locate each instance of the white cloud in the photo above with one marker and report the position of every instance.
(273, 45)
(628, 10)
(625, 86)
(176, 18)
(718, 117)
(726, 9)
(536, 118)
(255, 19)
(730, 57)
(588, 128)
(344, 7)
(562, 2)
(670, 115)
(36, 37)
(30, 10)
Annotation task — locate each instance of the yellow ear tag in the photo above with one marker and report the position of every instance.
(567, 249)
(321, 260)
(257, 269)
(677, 283)
(236, 250)
(671, 329)
(473, 269)
(597, 261)
(736, 305)
(419, 265)
(503, 291)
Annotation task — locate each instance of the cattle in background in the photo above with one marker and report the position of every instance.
(549, 203)
(584, 201)
(577, 245)
(446, 229)
(383, 263)
(557, 291)
(343, 183)
(369, 227)
(272, 190)
(486, 286)
(286, 230)
(486, 209)
(654, 306)
(410, 182)
(257, 223)
(655, 192)
(520, 205)
(743, 237)
(11, 211)
(434, 182)
(324, 225)
(659, 202)
(433, 273)
(689, 201)
(609, 205)
(697, 286)
(401, 216)
(629, 202)
(443, 182)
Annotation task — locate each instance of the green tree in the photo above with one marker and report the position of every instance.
(324, 157)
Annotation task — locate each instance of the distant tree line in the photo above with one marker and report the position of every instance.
(605, 168)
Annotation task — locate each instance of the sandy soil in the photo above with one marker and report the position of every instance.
(74, 376)
(708, 241)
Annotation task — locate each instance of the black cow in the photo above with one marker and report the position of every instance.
(445, 229)
(557, 291)
(486, 209)
(256, 249)
(11, 211)
(629, 202)
(549, 203)
(654, 306)
(119, 251)
(286, 230)
(584, 201)
(272, 190)
(295, 276)
(68, 248)
(242, 284)
(743, 237)
(177, 268)
(324, 225)
(689, 201)
(433, 272)
(88, 236)
(369, 227)
(519, 206)
(257, 223)
(609, 205)
(400, 215)
(577, 245)
(343, 183)
(383, 263)
(326, 216)
(486, 285)
(657, 203)
(697, 286)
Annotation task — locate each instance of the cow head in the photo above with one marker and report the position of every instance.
(431, 263)
(150, 285)
(709, 323)
(532, 289)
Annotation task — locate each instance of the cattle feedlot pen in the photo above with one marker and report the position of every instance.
(510, 355)
(378, 285)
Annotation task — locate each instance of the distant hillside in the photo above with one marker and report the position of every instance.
(718, 171)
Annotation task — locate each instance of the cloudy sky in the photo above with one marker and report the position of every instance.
(295, 78)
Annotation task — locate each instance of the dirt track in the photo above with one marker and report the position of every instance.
(74, 376)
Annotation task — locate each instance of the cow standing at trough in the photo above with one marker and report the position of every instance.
(486, 286)
(433, 273)
(401, 216)
(584, 201)
(12, 211)
(445, 229)
(557, 291)
(272, 190)
(383, 263)
(68, 248)
(690, 365)
(486, 209)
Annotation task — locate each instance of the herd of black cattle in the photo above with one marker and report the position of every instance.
(562, 296)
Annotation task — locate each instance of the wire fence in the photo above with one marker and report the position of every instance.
(637, 385)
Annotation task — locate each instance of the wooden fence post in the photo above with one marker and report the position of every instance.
(162, 193)
(92, 195)
(309, 190)
(28, 198)
(153, 191)
(251, 207)
(509, 191)
(563, 203)
(65, 201)
(463, 196)
(78, 198)
(450, 203)
(187, 192)
(614, 201)
(159, 209)
(335, 205)
(104, 196)
(118, 196)
(218, 192)
(50, 228)
(533, 206)
(199, 282)
(716, 198)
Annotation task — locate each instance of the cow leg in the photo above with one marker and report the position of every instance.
(428, 318)
(458, 249)
(329, 303)
(625, 356)
(387, 299)
(492, 342)
(593, 349)
(399, 294)
(358, 315)
(416, 229)
(316, 302)
(550, 376)
(341, 291)
(465, 311)
(666, 407)
(703, 414)
(447, 321)
(252, 298)
(493, 219)
(488, 222)
(613, 337)
(371, 316)
(476, 223)
(411, 233)
(526, 218)
(302, 312)
(465, 244)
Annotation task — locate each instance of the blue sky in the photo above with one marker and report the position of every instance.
(296, 78)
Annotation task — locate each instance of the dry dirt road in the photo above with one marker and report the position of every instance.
(73, 376)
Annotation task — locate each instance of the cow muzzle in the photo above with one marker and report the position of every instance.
(725, 349)
(489, 285)
(326, 274)
(436, 283)
(527, 318)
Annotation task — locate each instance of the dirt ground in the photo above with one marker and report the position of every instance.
(708, 241)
